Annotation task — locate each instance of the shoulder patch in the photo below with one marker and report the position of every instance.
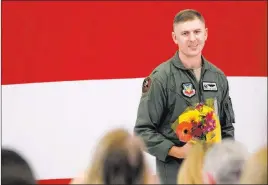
(146, 84)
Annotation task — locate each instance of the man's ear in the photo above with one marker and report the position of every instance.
(174, 38)
(206, 33)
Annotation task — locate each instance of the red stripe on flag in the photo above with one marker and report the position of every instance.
(54, 181)
(68, 40)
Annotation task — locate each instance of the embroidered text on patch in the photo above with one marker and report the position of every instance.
(210, 86)
(188, 90)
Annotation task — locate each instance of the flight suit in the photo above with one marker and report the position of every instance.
(166, 93)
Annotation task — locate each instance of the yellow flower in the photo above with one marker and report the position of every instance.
(206, 110)
(189, 116)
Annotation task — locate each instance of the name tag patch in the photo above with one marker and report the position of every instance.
(210, 86)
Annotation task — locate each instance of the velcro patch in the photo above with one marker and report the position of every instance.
(210, 86)
(188, 90)
(146, 84)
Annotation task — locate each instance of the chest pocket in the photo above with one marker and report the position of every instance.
(181, 96)
(212, 90)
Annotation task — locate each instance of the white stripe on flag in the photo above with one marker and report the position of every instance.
(56, 125)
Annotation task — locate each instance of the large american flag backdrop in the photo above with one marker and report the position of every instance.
(71, 70)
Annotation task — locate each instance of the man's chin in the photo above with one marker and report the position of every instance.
(191, 53)
(194, 53)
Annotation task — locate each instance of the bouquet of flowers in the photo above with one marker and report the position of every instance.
(199, 122)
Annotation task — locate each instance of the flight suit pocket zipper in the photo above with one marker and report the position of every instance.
(228, 108)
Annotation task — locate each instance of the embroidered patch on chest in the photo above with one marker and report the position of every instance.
(188, 90)
(210, 86)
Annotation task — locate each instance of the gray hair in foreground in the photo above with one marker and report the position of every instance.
(225, 160)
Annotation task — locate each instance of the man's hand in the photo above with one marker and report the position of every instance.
(180, 152)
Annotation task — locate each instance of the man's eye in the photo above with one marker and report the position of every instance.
(184, 33)
(196, 32)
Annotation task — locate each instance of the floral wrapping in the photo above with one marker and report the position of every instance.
(199, 122)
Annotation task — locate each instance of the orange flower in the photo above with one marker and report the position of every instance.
(184, 131)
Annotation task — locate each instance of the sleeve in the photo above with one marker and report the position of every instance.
(150, 110)
(227, 117)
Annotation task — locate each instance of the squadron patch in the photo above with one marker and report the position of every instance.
(146, 84)
(188, 90)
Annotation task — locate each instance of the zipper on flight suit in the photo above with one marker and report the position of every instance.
(198, 84)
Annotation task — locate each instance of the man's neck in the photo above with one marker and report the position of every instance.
(191, 62)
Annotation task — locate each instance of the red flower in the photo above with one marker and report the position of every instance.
(209, 116)
(184, 131)
(197, 132)
(199, 106)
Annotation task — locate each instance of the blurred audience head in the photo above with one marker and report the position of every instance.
(224, 162)
(15, 169)
(119, 159)
(191, 168)
(255, 169)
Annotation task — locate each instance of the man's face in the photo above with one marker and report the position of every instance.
(190, 36)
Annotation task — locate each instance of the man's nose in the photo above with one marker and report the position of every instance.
(192, 37)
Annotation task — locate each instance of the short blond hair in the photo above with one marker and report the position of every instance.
(191, 168)
(255, 169)
(187, 15)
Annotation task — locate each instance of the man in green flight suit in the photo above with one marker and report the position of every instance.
(184, 80)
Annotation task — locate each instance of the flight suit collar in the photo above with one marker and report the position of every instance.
(178, 63)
